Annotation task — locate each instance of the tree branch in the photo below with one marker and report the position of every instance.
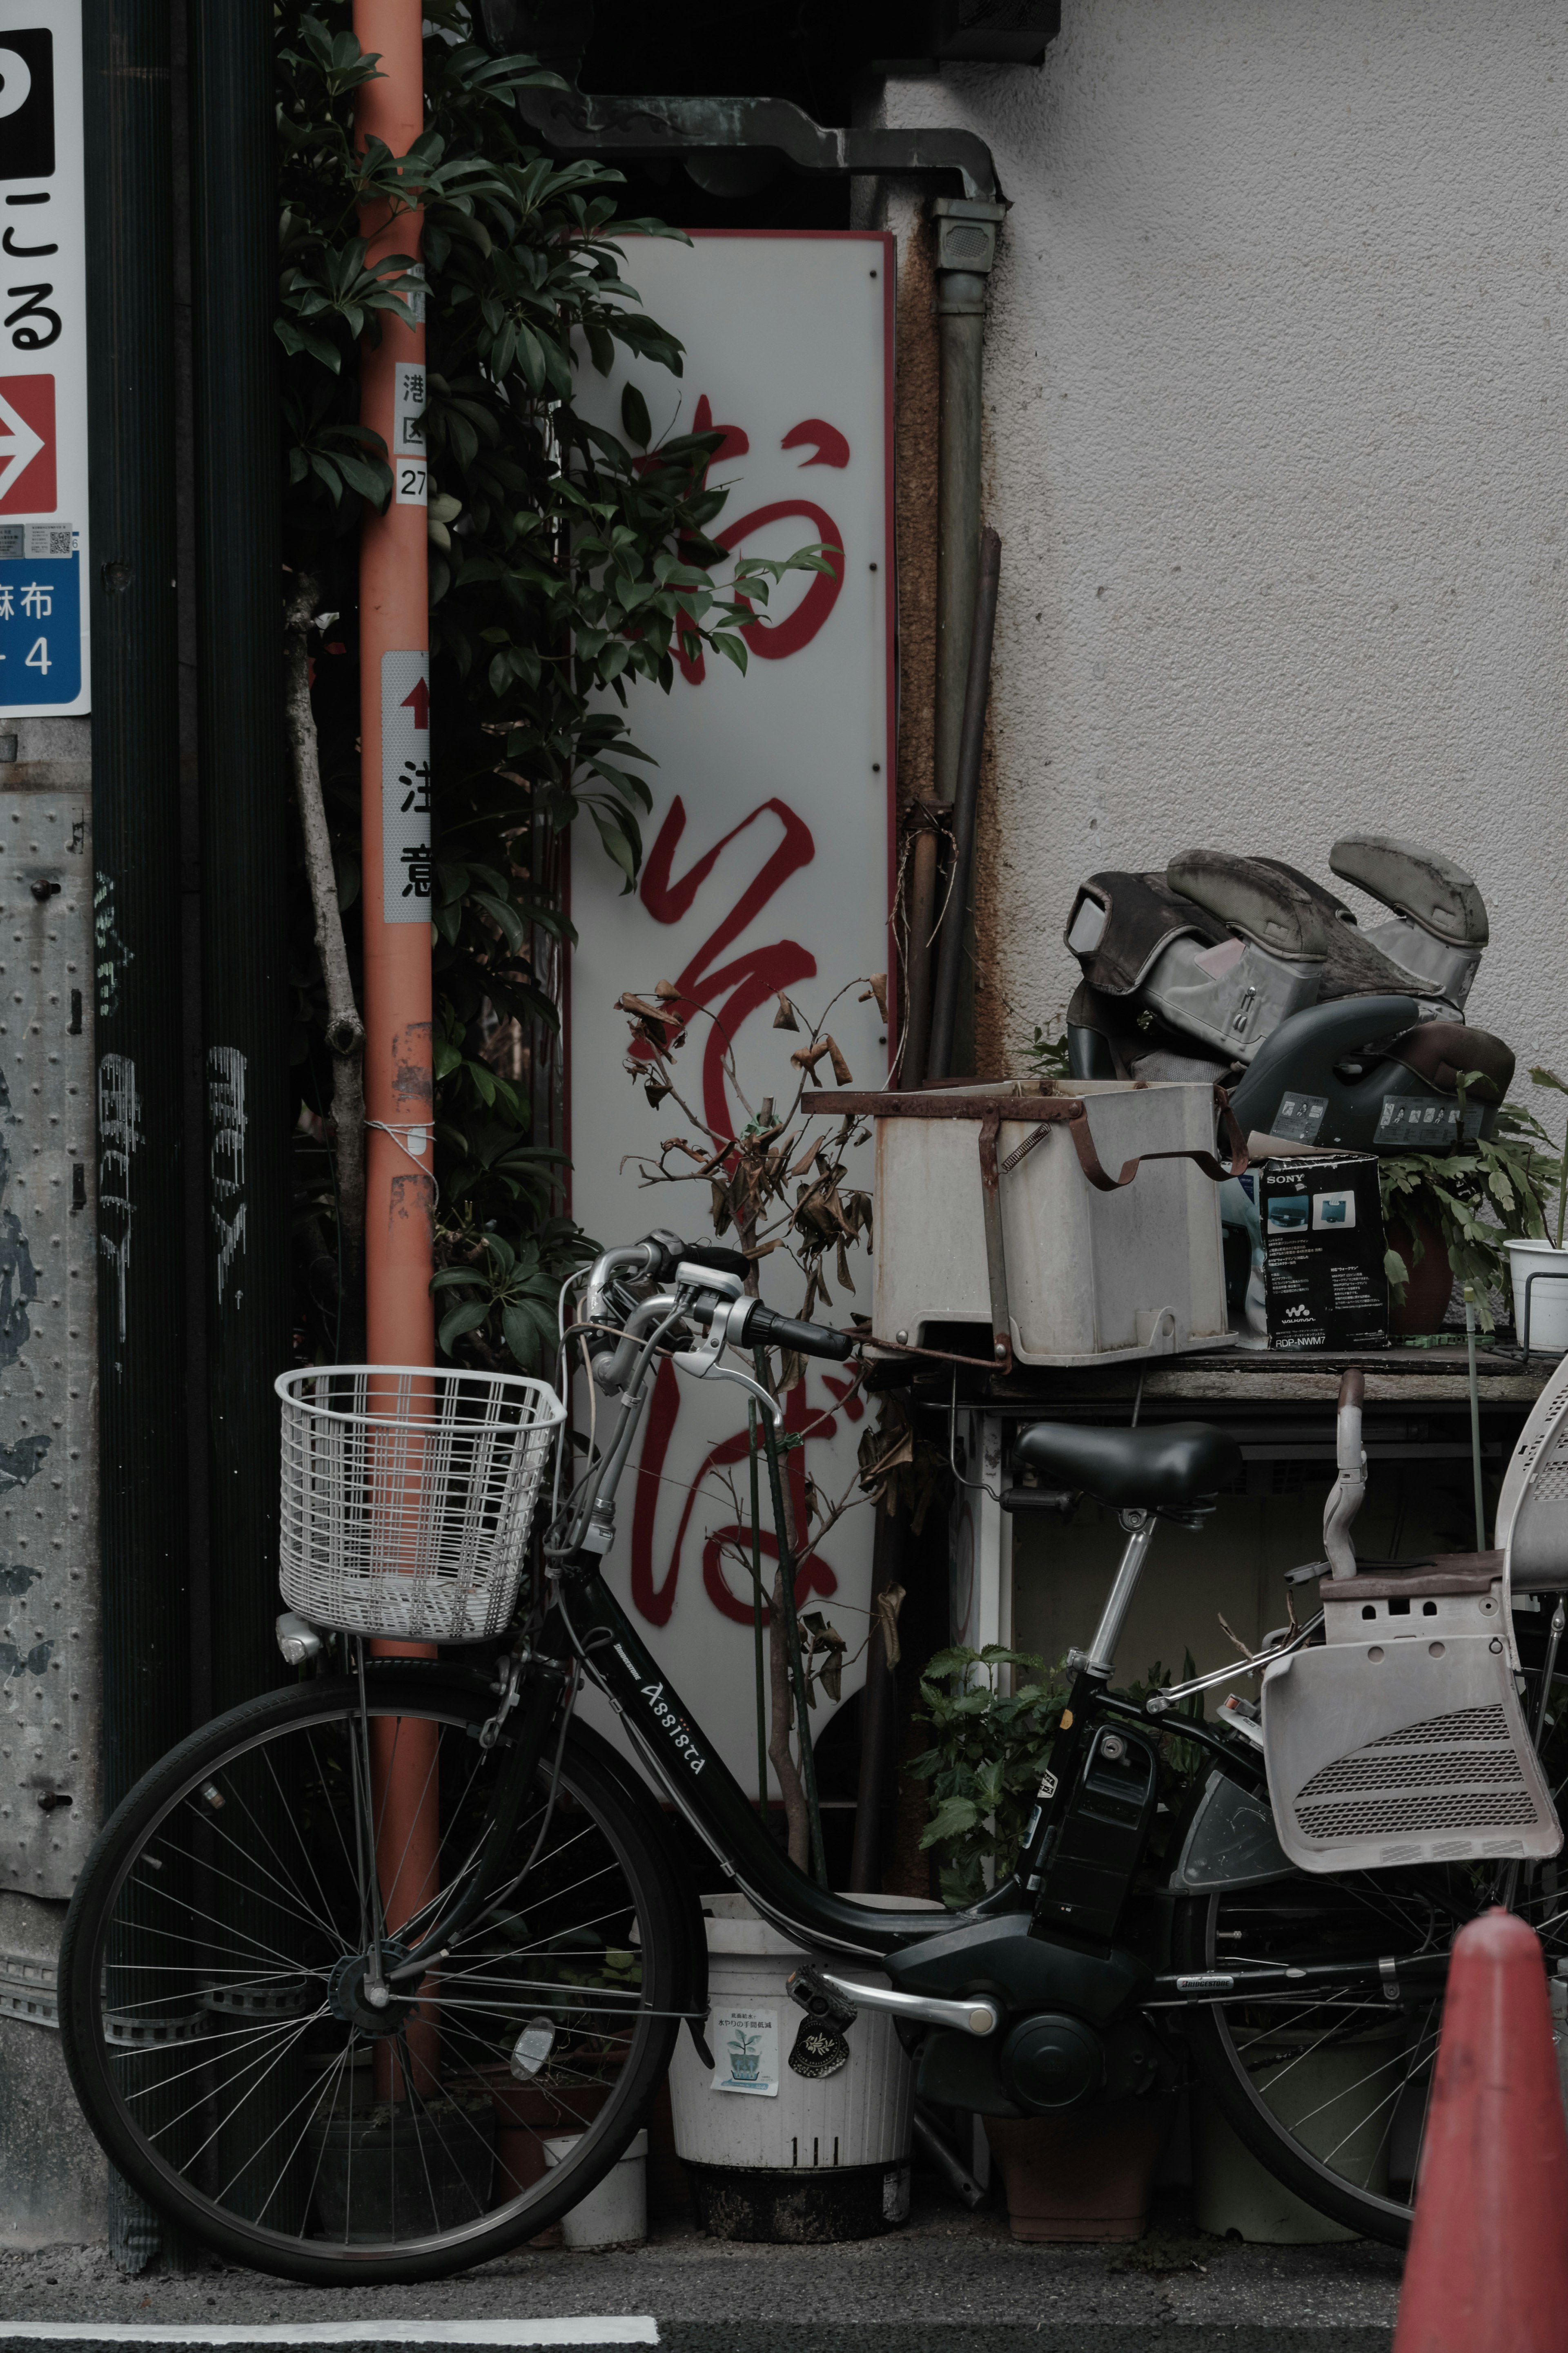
(345, 1030)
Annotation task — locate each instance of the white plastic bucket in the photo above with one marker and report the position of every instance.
(615, 2213)
(1548, 1296)
(830, 2153)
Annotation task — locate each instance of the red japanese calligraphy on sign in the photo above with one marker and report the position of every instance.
(767, 868)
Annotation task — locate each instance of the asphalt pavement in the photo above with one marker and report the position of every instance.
(948, 2283)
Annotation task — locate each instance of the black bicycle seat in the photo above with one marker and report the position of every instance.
(1172, 1462)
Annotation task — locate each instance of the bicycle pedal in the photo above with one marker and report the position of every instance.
(820, 2046)
(822, 2001)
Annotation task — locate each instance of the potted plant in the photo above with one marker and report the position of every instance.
(1087, 2173)
(1451, 1215)
(1540, 1307)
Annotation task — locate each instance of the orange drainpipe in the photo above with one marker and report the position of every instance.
(396, 896)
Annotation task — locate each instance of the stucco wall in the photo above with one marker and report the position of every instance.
(1276, 406)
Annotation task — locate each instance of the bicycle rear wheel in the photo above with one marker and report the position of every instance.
(1329, 2087)
(212, 2001)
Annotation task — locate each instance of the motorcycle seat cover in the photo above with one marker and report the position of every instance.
(1174, 1463)
(1430, 890)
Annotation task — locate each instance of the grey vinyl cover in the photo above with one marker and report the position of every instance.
(1427, 888)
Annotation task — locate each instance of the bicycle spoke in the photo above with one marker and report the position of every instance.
(271, 2136)
(197, 2067)
(328, 2083)
(153, 1929)
(1337, 2078)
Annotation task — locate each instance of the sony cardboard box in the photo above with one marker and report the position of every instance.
(1324, 1249)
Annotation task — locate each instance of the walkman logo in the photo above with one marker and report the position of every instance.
(1298, 1315)
(27, 105)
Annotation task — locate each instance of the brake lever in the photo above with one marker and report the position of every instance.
(714, 1371)
(702, 1362)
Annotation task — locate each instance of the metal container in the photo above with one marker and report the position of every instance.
(1079, 1223)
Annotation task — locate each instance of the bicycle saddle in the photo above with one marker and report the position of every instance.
(1177, 1462)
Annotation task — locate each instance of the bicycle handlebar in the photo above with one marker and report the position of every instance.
(765, 1329)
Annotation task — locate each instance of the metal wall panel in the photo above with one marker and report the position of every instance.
(50, 1666)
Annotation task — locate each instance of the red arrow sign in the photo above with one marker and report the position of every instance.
(419, 703)
(27, 445)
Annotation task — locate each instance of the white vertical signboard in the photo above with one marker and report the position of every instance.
(43, 361)
(766, 868)
(405, 851)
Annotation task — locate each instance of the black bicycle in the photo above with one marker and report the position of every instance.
(373, 1978)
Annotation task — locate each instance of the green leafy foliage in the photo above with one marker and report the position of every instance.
(1555, 1171)
(565, 561)
(497, 1301)
(987, 1754)
(1048, 1056)
(1181, 1761)
(990, 1749)
(1478, 1194)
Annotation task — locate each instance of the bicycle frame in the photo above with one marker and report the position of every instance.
(584, 1622)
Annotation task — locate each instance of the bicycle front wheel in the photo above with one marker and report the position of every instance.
(213, 2002)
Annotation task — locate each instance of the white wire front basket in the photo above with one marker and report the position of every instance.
(407, 1496)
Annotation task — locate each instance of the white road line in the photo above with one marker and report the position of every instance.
(636, 2328)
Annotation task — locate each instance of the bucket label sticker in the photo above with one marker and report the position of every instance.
(745, 2038)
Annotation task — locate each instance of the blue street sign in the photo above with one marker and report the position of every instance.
(40, 630)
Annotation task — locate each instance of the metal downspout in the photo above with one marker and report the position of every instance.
(244, 805)
(950, 997)
(965, 254)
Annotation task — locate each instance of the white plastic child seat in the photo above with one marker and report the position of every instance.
(1402, 1740)
(408, 1495)
(1532, 1509)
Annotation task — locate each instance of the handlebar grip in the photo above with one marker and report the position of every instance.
(765, 1329)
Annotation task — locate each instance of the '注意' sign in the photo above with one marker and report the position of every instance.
(43, 361)
(766, 869)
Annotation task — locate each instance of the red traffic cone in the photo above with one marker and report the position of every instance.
(1487, 2266)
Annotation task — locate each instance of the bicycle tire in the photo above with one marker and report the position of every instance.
(596, 1791)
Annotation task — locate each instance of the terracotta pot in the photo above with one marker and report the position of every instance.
(528, 2114)
(1431, 1283)
(1087, 2174)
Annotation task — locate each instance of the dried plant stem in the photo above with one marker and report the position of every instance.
(345, 1030)
(789, 1669)
(772, 1733)
(780, 1755)
(759, 1611)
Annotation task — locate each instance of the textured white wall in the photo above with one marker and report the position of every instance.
(1276, 405)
